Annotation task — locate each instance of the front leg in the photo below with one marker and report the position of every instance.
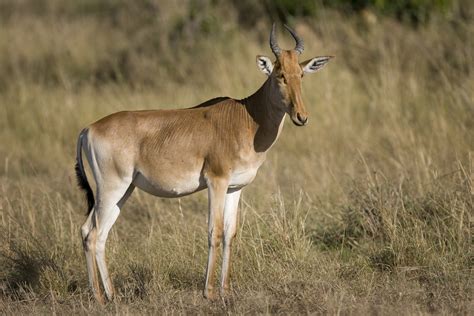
(230, 228)
(217, 188)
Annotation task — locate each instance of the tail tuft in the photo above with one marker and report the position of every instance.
(84, 185)
(81, 176)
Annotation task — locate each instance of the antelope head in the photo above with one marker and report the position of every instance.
(285, 75)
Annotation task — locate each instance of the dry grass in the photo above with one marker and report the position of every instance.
(366, 210)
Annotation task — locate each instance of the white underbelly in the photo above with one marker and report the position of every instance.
(175, 187)
(172, 184)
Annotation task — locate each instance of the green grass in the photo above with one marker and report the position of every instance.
(368, 209)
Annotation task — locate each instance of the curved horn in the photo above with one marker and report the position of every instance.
(273, 42)
(299, 42)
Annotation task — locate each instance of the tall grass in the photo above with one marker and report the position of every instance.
(367, 209)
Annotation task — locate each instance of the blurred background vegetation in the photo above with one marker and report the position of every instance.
(134, 42)
(368, 209)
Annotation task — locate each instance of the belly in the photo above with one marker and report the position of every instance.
(173, 180)
(172, 186)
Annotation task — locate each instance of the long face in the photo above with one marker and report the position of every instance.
(288, 73)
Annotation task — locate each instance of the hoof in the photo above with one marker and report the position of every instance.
(100, 298)
(226, 296)
(111, 297)
(210, 294)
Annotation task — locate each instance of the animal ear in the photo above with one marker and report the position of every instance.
(265, 64)
(314, 64)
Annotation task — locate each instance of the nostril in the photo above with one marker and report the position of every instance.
(301, 118)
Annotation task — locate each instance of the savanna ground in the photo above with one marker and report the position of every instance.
(368, 209)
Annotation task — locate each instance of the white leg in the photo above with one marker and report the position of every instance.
(89, 237)
(107, 214)
(230, 229)
(106, 220)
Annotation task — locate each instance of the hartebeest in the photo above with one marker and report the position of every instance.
(219, 145)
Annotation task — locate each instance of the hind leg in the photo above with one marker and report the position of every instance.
(95, 231)
(106, 218)
(89, 237)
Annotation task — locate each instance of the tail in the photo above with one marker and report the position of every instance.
(81, 175)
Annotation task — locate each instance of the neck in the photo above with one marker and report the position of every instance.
(266, 108)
